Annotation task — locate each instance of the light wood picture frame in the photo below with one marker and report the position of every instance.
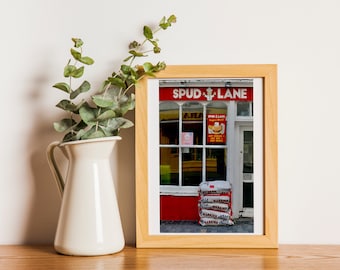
(154, 180)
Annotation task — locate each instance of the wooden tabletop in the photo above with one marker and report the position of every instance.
(286, 257)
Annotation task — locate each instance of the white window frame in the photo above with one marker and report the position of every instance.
(180, 190)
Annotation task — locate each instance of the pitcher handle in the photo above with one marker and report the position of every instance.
(54, 167)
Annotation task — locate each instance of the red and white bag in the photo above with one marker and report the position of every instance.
(214, 187)
(222, 207)
(216, 199)
(215, 222)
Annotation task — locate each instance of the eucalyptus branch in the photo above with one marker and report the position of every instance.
(105, 116)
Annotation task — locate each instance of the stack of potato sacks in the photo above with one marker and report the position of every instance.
(214, 203)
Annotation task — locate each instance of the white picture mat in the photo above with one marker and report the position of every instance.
(154, 162)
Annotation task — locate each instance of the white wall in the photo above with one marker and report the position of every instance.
(302, 37)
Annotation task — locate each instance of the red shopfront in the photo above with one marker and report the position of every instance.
(197, 126)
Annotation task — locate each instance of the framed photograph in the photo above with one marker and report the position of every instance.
(206, 157)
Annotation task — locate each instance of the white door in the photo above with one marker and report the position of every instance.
(247, 171)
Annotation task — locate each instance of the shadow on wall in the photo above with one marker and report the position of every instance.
(45, 201)
(124, 162)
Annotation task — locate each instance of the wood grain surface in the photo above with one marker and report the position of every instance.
(285, 257)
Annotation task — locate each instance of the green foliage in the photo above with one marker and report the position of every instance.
(103, 114)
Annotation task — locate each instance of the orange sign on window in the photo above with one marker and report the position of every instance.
(216, 131)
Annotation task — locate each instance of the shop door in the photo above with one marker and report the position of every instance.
(247, 171)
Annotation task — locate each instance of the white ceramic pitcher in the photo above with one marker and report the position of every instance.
(89, 221)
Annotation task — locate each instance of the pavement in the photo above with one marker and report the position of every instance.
(242, 225)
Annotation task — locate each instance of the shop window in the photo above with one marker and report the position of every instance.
(169, 123)
(191, 166)
(245, 109)
(169, 138)
(248, 169)
(169, 166)
(192, 123)
(248, 197)
(216, 162)
(248, 163)
(193, 142)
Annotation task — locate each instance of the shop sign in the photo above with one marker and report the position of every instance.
(209, 94)
(216, 125)
(192, 116)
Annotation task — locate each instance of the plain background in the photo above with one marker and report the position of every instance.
(301, 37)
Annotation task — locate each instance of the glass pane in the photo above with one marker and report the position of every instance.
(192, 125)
(169, 123)
(169, 166)
(248, 194)
(244, 109)
(216, 164)
(191, 166)
(248, 152)
(248, 200)
(216, 123)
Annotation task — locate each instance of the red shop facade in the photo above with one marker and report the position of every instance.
(206, 134)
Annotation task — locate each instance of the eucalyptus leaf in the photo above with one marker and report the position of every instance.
(154, 42)
(114, 94)
(127, 123)
(128, 58)
(156, 49)
(70, 136)
(86, 60)
(163, 23)
(172, 19)
(148, 66)
(117, 82)
(77, 42)
(102, 101)
(68, 70)
(97, 134)
(77, 73)
(159, 66)
(122, 99)
(106, 115)
(76, 55)
(80, 126)
(92, 134)
(127, 105)
(84, 87)
(125, 69)
(134, 44)
(117, 123)
(133, 73)
(147, 32)
(63, 124)
(80, 134)
(63, 86)
(135, 53)
(123, 109)
(88, 114)
(67, 105)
